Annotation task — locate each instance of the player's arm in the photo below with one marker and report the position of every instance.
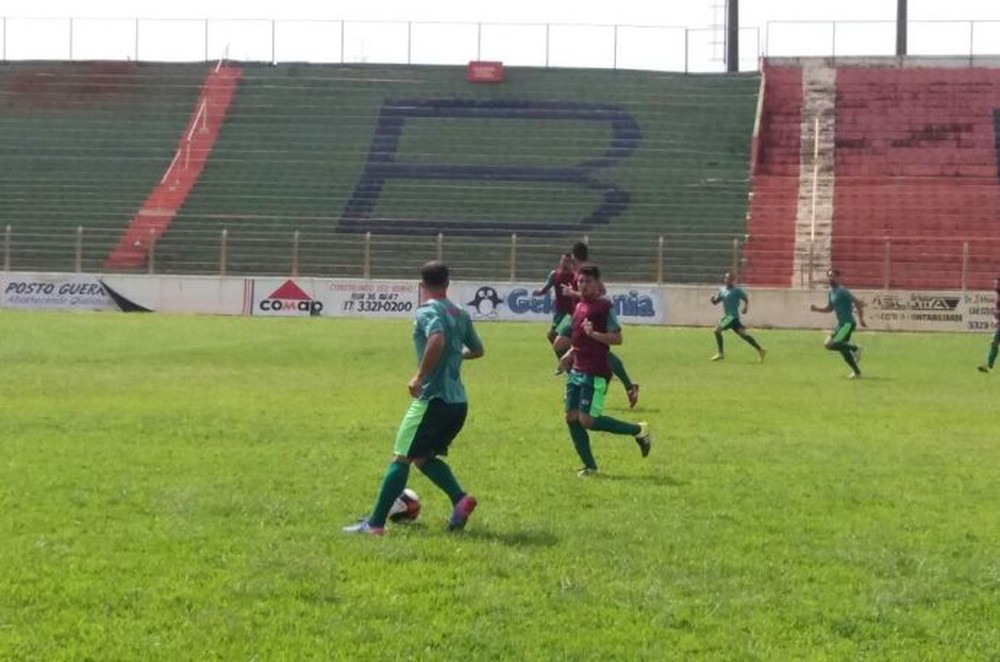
(566, 360)
(432, 354)
(549, 282)
(859, 305)
(569, 291)
(473, 346)
(607, 337)
(746, 302)
(817, 309)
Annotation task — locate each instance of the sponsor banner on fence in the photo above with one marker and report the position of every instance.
(360, 298)
(515, 302)
(922, 311)
(285, 297)
(980, 308)
(305, 297)
(484, 300)
(54, 292)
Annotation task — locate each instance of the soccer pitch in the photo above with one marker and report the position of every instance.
(173, 488)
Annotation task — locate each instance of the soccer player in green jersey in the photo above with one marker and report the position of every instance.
(730, 297)
(581, 255)
(991, 358)
(595, 329)
(843, 303)
(443, 336)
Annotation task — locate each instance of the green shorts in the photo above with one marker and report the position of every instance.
(843, 332)
(585, 393)
(563, 325)
(429, 427)
(730, 322)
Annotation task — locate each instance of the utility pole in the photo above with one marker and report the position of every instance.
(733, 35)
(900, 28)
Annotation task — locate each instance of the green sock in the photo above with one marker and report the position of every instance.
(440, 474)
(718, 341)
(393, 484)
(849, 360)
(994, 350)
(614, 426)
(581, 441)
(618, 368)
(750, 339)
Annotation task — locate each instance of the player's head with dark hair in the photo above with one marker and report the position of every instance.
(728, 278)
(566, 261)
(588, 280)
(833, 276)
(434, 274)
(580, 251)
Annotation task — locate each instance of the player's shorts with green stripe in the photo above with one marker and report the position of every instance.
(842, 333)
(730, 322)
(563, 325)
(585, 393)
(429, 427)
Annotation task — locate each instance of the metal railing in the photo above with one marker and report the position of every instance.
(240, 251)
(645, 47)
(872, 262)
(656, 48)
(970, 40)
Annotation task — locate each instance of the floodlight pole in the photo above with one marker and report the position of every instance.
(732, 36)
(901, 28)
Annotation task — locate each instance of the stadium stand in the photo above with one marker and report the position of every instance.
(775, 180)
(917, 176)
(335, 152)
(308, 159)
(83, 145)
(194, 149)
(913, 176)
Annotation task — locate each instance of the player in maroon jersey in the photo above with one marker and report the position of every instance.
(595, 328)
(581, 256)
(563, 304)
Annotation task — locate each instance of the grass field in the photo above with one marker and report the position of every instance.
(173, 488)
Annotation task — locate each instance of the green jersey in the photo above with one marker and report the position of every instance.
(730, 298)
(842, 302)
(442, 316)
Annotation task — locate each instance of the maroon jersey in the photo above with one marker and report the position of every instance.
(563, 304)
(590, 356)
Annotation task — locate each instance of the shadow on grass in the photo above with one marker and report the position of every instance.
(877, 378)
(529, 538)
(532, 538)
(660, 480)
(634, 414)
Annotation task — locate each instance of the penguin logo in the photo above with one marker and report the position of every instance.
(486, 301)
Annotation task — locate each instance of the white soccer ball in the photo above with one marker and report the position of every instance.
(406, 507)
